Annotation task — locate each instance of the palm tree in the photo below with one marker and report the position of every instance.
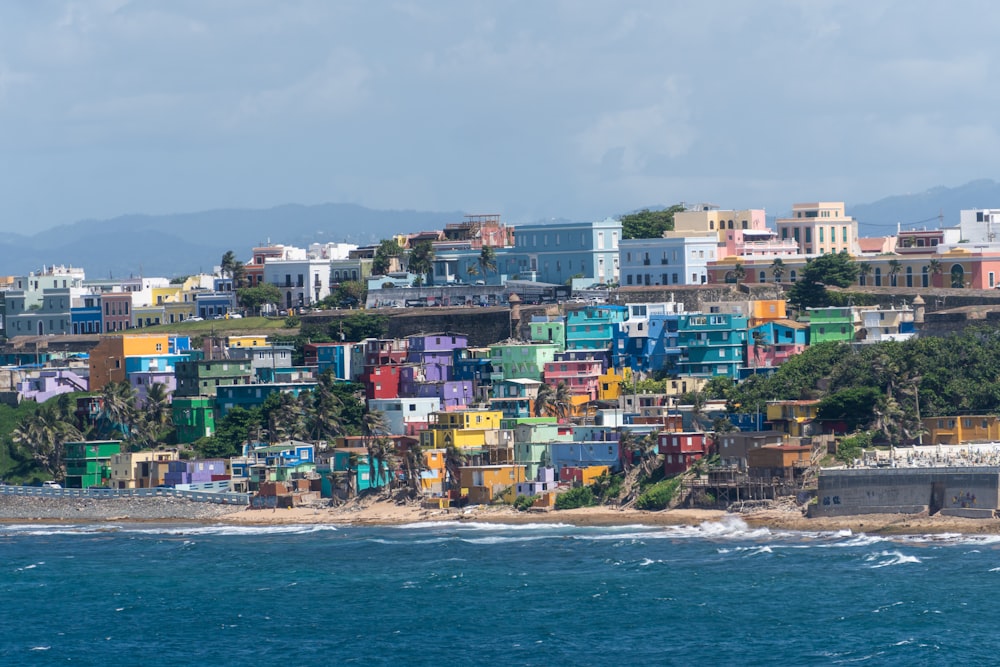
(544, 400)
(895, 266)
(421, 259)
(935, 268)
(285, 419)
(563, 401)
(44, 435)
(374, 429)
(454, 460)
(739, 273)
(760, 346)
(415, 464)
(698, 415)
(118, 413)
(864, 270)
(487, 260)
(777, 269)
(322, 409)
(472, 270)
(157, 406)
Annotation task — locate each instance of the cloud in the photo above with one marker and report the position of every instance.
(626, 141)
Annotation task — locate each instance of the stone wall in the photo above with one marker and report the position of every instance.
(907, 490)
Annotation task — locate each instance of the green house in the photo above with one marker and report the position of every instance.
(89, 463)
(520, 360)
(194, 417)
(831, 324)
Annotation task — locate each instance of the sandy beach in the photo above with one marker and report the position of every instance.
(388, 513)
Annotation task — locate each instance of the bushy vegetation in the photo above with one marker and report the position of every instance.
(658, 496)
(851, 447)
(523, 503)
(581, 496)
(646, 224)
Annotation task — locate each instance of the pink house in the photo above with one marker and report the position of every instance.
(582, 376)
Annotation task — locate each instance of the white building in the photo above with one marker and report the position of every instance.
(667, 261)
(302, 282)
(820, 228)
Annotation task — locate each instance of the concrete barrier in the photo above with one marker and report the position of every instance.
(222, 498)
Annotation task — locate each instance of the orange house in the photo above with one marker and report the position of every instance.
(107, 358)
(484, 484)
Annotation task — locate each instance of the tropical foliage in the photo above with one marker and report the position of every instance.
(647, 224)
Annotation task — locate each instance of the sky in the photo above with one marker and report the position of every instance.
(576, 109)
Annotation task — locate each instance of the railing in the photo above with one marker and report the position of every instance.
(196, 496)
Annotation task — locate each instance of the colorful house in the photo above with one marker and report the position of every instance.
(484, 484)
(519, 360)
(593, 327)
(835, 323)
(711, 344)
(193, 417)
(958, 429)
(466, 429)
(88, 464)
(681, 450)
(108, 358)
(203, 377)
(796, 418)
(136, 470)
(548, 329)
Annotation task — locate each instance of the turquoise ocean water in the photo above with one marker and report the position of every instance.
(464, 594)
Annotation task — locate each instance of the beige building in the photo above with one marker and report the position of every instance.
(140, 470)
(820, 228)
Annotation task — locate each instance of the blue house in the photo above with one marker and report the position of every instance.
(712, 344)
(86, 317)
(593, 327)
(583, 454)
(558, 252)
(249, 396)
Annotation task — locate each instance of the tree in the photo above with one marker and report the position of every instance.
(487, 260)
(384, 254)
(422, 258)
(359, 326)
(119, 414)
(739, 273)
(43, 436)
(935, 268)
(853, 406)
(374, 431)
(349, 294)
(240, 426)
(895, 266)
(777, 269)
(831, 269)
(864, 270)
(646, 224)
(563, 401)
(232, 267)
(283, 417)
(544, 400)
(321, 408)
(761, 345)
(254, 298)
(157, 405)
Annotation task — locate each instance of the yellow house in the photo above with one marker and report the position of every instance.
(959, 429)
(609, 386)
(793, 417)
(107, 358)
(484, 484)
(464, 429)
(766, 310)
(247, 341)
(433, 476)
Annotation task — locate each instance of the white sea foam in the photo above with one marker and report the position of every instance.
(481, 525)
(222, 530)
(887, 558)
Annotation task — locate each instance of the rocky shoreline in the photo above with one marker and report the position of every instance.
(161, 508)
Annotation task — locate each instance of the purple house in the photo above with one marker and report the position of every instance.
(51, 382)
(545, 480)
(141, 381)
(435, 353)
(193, 472)
(456, 393)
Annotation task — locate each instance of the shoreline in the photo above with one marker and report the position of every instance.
(388, 513)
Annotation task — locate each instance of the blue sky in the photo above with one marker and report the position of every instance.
(535, 110)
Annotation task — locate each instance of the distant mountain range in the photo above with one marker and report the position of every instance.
(182, 244)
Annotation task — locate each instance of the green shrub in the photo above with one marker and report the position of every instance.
(851, 447)
(523, 503)
(658, 496)
(581, 496)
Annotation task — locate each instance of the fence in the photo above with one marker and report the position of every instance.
(242, 499)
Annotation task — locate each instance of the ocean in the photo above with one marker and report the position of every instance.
(481, 594)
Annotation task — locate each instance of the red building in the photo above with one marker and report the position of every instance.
(381, 352)
(381, 381)
(681, 450)
(116, 311)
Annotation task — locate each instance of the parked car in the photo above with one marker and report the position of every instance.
(195, 319)
(51, 485)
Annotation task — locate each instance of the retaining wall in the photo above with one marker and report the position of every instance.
(907, 491)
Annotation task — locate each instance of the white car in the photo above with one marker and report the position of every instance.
(51, 485)
(195, 319)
